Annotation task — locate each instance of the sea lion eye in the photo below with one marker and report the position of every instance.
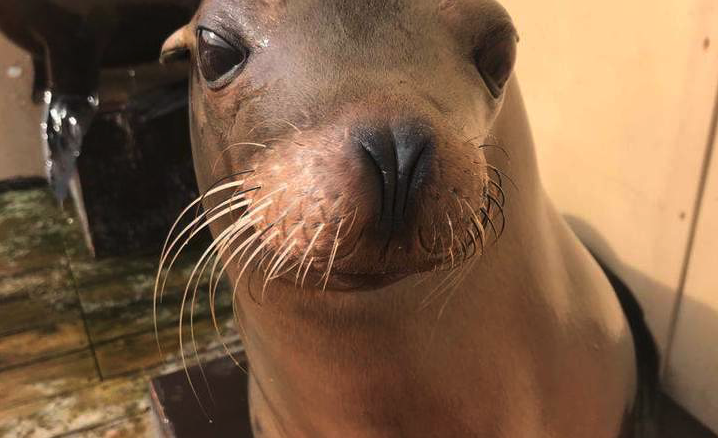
(495, 60)
(218, 58)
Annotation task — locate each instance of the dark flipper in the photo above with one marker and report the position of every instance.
(643, 417)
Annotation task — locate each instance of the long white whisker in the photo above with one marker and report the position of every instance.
(306, 253)
(165, 251)
(333, 255)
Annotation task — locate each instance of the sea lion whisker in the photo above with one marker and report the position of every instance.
(268, 122)
(213, 294)
(192, 227)
(503, 215)
(264, 202)
(423, 278)
(503, 174)
(480, 234)
(238, 229)
(429, 298)
(216, 250)
(306, 271)
(454, 287)
(182, 312)
(464, 250)
(308, 250)
(245, 244)
(179, 219)
(281, 272)
(444, 253)
(292, 125)
(351, 225)
(335, 248)
(464, 245)
(451, 246)
(214, 189)
(259, 248)
(194, 343)
(187, 240)
(477, 224)
(490, 222)
(452, 279)
(500, 189)
(159, 290)
(458, 201)
(278, 263)
(269, 252)
(296, 228)
(234, 145)
(218, 187)
(495, 146)
(272, 263)
(474, 243)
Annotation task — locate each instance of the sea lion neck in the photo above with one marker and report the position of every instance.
(414, 359)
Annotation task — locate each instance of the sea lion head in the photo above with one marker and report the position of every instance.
(342, 143)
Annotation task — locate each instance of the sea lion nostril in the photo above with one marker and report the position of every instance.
(399, 154)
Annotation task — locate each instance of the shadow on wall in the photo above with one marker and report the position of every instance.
(656, 299)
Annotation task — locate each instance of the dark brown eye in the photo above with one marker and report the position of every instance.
(218, 59)
(495, 61)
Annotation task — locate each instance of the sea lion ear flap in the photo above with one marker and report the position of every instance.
(176, 47)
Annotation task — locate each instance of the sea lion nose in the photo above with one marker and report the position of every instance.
(400, 153)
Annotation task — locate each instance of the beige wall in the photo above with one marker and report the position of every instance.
(693, 370)
(621, 97)
(20, 151)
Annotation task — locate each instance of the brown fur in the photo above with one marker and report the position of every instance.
(442, 327)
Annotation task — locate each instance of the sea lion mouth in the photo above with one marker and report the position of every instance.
(356, 257)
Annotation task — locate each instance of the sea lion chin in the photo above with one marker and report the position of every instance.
(382, 148)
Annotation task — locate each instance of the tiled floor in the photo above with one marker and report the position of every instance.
(77, 343)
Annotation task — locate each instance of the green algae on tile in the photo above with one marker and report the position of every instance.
(44, 342)
(129, 316)
(134, 427)
(91, 271)
(46, 378)
(140, 352)
(28, 314)
(32, 231)
(42, 297)
(50, 284)
(98, 407)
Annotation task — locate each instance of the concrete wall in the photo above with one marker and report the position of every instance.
(621, 97)
(20, 151)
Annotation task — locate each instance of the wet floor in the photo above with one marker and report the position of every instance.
(77, 344)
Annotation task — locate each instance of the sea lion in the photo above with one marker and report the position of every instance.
(372, 189)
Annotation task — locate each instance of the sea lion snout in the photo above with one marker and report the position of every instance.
(400, 154)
